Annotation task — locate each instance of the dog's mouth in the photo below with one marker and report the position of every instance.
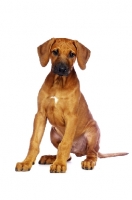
(61, 69)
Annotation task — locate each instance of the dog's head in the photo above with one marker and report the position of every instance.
(63, 53)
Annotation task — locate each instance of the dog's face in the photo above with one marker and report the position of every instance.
(63, 53)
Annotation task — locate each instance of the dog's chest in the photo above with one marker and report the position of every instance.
(55, 99)
(54, 109)
(52, 102)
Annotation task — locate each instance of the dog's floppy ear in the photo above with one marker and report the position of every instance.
(83, 54)
(44, 51)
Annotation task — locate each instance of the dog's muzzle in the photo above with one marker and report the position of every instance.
(61, 69)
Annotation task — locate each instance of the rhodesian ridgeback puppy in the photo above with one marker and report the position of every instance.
(61, 102)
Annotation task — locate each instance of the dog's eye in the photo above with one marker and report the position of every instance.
(55, 52)
(71, 54)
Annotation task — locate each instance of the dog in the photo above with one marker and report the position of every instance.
(60, 100)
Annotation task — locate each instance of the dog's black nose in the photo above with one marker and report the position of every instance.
(61, 69)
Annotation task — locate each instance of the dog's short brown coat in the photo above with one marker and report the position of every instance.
(61, 102)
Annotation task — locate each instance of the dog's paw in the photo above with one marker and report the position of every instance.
(47, 159)
(88, 164)
(24, 166)
(57, 168)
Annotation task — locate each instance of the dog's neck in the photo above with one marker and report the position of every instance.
(60, 81)
(54, 81)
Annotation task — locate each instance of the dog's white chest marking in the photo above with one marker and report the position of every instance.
(55, 98)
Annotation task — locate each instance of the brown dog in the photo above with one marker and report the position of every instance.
(61, 102)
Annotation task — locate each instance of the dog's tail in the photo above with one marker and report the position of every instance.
(106, 155)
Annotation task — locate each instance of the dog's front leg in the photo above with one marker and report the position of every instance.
(39, 126)
(92, 135)
(64, 148)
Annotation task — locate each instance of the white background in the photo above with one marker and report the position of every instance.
(105, 27)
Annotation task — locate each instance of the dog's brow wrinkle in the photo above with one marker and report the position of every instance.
(55, 98)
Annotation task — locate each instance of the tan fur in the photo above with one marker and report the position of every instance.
(62, 103)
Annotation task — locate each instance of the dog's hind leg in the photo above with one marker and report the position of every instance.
(55, 140)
